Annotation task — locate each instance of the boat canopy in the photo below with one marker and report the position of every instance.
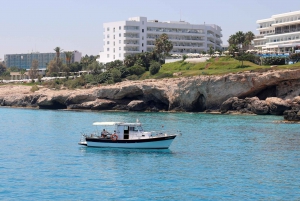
(106, 123)
(115, 123)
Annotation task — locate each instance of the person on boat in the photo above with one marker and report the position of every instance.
(103, 133)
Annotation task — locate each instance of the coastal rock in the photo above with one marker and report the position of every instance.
(260, 107)
(277, 105)
(101, 104)
(98, 104)
(291, 115)
(227, 105)
(52, 102)
(79, 98)
(136, 105)
(195, 94)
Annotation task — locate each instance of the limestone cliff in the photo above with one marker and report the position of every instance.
(197, 93)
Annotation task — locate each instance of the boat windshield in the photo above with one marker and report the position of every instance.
(136, 128)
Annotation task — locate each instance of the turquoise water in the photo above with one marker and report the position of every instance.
(218, 157)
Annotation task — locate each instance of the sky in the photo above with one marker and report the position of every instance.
(41, 25)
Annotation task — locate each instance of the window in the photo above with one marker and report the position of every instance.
(142, 37)
(142, 44)
(119, 41)
(143, 30)
(114, 29)
(119, 35)
(107, 55)
(108, 49)
(114, 56)
(119, 27)
(119, 54)
(107, 42)
(142, 22)
(114, 43)
(114, 49)
(107, 28)
(114, 36)
(119, 48)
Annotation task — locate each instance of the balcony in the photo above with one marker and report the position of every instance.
(128, 35)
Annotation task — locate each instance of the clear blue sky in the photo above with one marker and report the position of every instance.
(42, 25)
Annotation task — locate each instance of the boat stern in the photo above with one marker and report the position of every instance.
(83, 141)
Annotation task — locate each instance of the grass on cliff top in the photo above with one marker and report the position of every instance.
(219, 66)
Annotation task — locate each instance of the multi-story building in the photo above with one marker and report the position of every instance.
(138, 35)
(280, 33)
(25, 60)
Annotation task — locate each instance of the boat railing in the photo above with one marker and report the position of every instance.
(164, 133)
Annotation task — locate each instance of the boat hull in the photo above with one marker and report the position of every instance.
(151, 143)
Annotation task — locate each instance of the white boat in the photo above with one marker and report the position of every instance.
(127, 135)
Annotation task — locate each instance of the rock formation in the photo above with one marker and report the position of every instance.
(247, 92)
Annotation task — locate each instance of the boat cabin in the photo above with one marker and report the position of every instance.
(125, 131)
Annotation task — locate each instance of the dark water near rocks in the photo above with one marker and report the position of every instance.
(218, 157)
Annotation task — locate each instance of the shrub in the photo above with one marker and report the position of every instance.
(184, 57)
(273, 61)
(136, 70)
(164, 75)
(116, 75)
(34, 88)
(132, 77)
(154, 68)
(294, 57)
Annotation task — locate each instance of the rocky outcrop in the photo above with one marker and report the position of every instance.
(292, 115)
(136, 105)
(98, 104)
(272, 105)
(247, 92)
(277, 106)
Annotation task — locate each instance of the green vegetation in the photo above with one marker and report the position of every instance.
(34, 88)
(212, 67)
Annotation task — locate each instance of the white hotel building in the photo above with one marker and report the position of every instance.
(280, 33)
(138, 35)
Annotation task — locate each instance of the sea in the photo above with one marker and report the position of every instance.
(217, 157)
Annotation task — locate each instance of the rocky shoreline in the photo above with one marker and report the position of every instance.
(274, 92)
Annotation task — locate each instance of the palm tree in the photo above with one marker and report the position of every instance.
(68, 57)
(249, 36)
(232, 40)
(163, 46)
(240, 38)
(57, 50)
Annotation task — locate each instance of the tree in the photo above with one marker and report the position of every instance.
(129, 60)
(33, 72)
(233, 48)
(2, 68)
(163, 46)
(136, 70)
(85, 61)
(154, 68)
(113, 64)
(116, 75)
(211, 50)
(95, 67)
(75, 67)
(53, 67)
(68, 58)
(249, 36)
(240, 38)
(57, 50)
(22, 72)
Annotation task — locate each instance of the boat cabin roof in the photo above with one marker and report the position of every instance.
(115, 124)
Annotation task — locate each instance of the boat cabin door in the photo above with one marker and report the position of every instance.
(126, 132)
